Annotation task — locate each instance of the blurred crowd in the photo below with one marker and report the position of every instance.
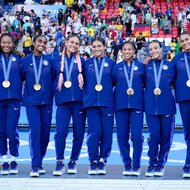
(84, 20)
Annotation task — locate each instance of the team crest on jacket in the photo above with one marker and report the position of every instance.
(165, 67)
(13, 59)
(45, 62)
(135, 68)
(106, 64)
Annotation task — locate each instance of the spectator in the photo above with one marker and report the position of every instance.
(115, 49)
(22, 14)
(167, 57)
(166, 25)
(60, 16)
(173, 43)
(17, 24)
(11, 17)
(140, 41)
(27, 43)
(133, 20)
(142, 54)
(169, 13)
(148, 17)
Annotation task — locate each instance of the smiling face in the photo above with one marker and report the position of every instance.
(155, 50)
(6, 44)
(98, 49)
(128, 51)
(185, 42)
(72, 45)
(39, 44)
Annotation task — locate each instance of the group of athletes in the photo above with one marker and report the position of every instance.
(96, 90)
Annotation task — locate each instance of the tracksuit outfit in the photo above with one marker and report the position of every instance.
(38, 104)
(10, 100)
(99, 108)
(160, 111)
(69, 104)
(129, 111)
(182, 92)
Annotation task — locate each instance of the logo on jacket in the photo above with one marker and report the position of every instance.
(165, 67)
(106, 64)
(135, 68)
(13, 59)
(45, 62)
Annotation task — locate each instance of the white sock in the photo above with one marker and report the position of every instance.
(4, 158)
(13, 158)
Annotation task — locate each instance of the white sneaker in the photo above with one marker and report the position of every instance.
(93, 168)
(159, 172)
(5, 168)
(150, 171)
(101, 167)
(186, 172)
(13, 168)
(127, 171)
(136, 172)
(72, 168)
(34, 173)
(41, 170)
(60, 169)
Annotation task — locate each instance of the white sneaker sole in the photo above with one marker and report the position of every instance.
(92, 172)
(185, 175)
(13, 171)
(42, 171)
(158, 174)
(127, 173)
(58, 173)
(149, 174)
(136, 173)
(71, 171)
(4, 172)
(101, 172)
(34, 174)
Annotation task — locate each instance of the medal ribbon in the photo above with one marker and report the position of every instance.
(6, 71)
(129, 77)
(68, 70)
(157, 75)
(37, 73)
(99, 73)
(187, 65)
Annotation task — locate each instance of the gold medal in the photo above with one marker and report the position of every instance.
(188, 83)
(130, 91)
(6, 83)
(98, 87)
(157, 91)
(68, 84)
(37, 86)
